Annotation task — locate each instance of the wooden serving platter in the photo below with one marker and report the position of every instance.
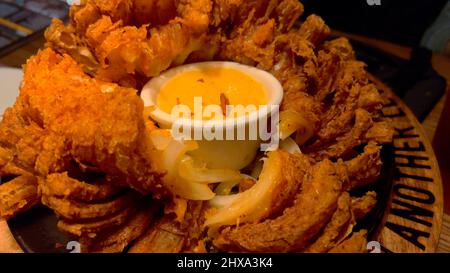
(413, 216)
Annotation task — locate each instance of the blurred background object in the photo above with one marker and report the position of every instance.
(437, 37)
(21, 21)
(400, 21)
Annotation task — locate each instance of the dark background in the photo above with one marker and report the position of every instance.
(400, 21)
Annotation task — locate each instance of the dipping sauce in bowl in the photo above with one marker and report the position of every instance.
(242, 98)
(215, 85)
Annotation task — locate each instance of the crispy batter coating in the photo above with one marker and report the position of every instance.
(345, 143)
(144, 11)
(95, 226)
(251, 44)
(21, 139)
(246, 184)
(116, 239)
(17, 196)
(72, 210)
(287, 12)
(81, 16)
(60, 185)
(193, 223)
(123, 50)
(331, 58)
(293, 230)
(357, 243)
(85, 120)
(172, 235)
(166, 236)
(224, 11)
(361, 206)
(365, 168)
(195, 14)
(314, 30)
(336, 228)
(8, 169)
(380, 132)
(66, 39)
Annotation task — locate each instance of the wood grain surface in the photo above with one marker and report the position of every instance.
(414, 217)
(444, 241)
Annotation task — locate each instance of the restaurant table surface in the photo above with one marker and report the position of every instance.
(440, 63)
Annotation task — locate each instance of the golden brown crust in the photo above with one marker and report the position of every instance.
(336, 228)
(60, 185)
(357, 243)
(109, 133)
(72, 210)
(380, 132)
(93, 227)
(361, 206)
(165, 236)
(143, 11)
(365, 168)
(294, 229)
(115, 240)
(345, 143)
(17, 196)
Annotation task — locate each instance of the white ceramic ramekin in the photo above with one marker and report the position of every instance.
(231, 154)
